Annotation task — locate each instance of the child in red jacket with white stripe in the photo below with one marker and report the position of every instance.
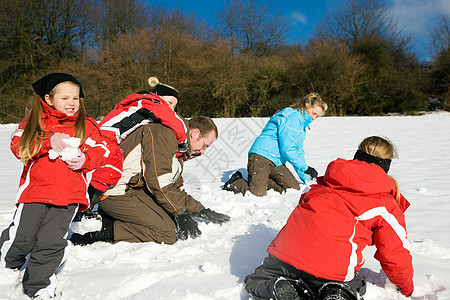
(58, 144)
(132, 112)
(318, 253)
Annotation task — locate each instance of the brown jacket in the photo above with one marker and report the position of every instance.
(150, 163)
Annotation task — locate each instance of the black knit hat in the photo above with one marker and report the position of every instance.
(162, 89)
(44, 85)
(363, 156)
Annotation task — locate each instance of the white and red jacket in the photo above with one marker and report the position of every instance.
(51, 181)
(129, 114)
(351, 206)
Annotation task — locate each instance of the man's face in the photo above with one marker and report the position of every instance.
(200, 142)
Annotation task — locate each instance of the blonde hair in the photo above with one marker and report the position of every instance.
(311, 99)
(382, 148)
(34, 133)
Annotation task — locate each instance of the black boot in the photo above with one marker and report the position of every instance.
(235, 176)
(284, 290)
(87, 214)
(105, 234)
(336, 292)
(289, 289)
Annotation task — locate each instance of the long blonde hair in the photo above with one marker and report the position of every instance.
(311, 99)
(382, 148)
(34, 133)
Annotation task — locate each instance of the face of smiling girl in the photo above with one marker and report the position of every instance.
(65, 97)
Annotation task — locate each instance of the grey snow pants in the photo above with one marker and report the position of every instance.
(40, 230)
(260, 284)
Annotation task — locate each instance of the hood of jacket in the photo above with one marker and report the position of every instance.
(359, 177)
(137, 96)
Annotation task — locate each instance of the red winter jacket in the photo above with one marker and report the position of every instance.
(129, 114)
(351, 207)
(51, 181)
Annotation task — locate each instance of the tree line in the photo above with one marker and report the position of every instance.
(359, 60)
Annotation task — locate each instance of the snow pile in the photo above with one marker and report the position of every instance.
(214, 265)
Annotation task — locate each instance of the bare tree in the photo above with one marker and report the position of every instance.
(439, 38)
(171, 31)
(86, 26)
(356, 20)
(252, 28)
(329, 69)
(439, 35)
(116, 17)
(32, 31)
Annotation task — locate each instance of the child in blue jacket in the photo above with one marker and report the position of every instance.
(280, 141)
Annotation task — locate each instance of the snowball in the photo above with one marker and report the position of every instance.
(211, 268)
(69, 152)
(53, 154)
(422, 190)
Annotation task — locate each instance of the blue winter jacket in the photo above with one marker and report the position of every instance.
(282, 138)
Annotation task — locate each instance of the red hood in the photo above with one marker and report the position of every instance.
(360, 177)
(134, 97)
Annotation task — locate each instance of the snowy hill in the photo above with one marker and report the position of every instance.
(214, 265)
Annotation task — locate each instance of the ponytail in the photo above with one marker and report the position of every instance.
(378, 150)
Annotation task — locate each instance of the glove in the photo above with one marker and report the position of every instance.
(186, 226)
(77, 162)
(57, 141)
(212, 216)
(406, 290)
(311, 172)
(94, 196)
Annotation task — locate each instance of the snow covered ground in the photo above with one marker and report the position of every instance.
(214, 265)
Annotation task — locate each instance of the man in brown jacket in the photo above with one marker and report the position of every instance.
(149, 204)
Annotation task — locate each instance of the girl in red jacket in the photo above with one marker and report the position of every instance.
(318, 253)
(52, 188)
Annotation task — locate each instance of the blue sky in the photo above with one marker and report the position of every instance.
(415, 16)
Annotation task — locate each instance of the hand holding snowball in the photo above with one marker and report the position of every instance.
(77, 162)
(69, 153)
(57, 141)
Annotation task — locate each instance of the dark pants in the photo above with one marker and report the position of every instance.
(260, 283)
(139, 218)
(39, 230)
(263, 175)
